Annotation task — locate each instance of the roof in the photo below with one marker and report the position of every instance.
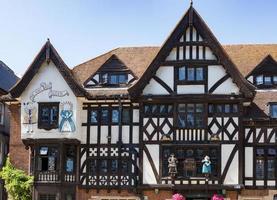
(246, 57)
(7, 77)
(47, 53)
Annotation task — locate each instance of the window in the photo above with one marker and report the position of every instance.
(47, 196)
(70, 158)
(104, 116)
(191, 74)
(158, 110)
(2, 113)
(190, 116)
(260, 80)
(223, 108)
(265, 163)
(114, 78)
(268, 80)
(48, 116)
(190, 160)
(115, 115)
(125, 115)
(47, 158)
(273, 110)
(93, 116)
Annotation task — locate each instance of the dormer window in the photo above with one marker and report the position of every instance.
(266, 80)
(114, 79)
(273, 110)
(260, 80)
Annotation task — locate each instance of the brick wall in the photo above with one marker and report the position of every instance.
(18, 154)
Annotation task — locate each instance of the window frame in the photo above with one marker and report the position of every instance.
(186, 81)
(263, 83)
(271, 105)
(108, 80)
(48, 126)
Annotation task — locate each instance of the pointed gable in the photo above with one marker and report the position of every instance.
(192, 43)
(112, 68)
(267, 66)
(47, 54)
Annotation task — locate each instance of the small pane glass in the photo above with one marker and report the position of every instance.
(190, 120)
(114, 166)
(260, 80)
(182, 108)
(113, 79)
(219, 108)
(198, 122)
(191, 76)
(169, 108)
(199, 74)
(275, 80)
(122, 78)
(124, 166)
(182, 73)
(227, 108)
(105, 116)
(104, 78)
(272, 152)
(126, 115)
(181, 121)
(103, 166)
(260, 152)
(147, 109)
(154, 108)
(190, 108)
(115, 116)
(199, 108)
(273, 109)
(259, 168)
(93, 117)
(267, 80)
(163, 109)
(211, 108)
(271, 169)
(235, 108)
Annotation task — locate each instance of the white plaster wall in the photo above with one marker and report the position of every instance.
(130, 77)
(215, 73)
(148, 174)
(250, 79)
(93, 134)
(249, 162)
(172, 55)
(136, 115)
(154, 88)
(209, 54)
(96, 77)
(167, 75)
(135, 134)
(190, 89)
(49, 73)
(232, 176)
(227, 87)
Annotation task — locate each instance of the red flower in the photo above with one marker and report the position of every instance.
(178, 197)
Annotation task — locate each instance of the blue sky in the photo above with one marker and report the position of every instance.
(81, 30)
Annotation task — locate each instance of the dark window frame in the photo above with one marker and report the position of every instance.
(48, 125)
(108, 81)
(271, 105)
(194, 81)
(184, 115)
(272, 84)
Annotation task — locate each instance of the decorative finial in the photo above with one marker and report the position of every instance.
(191, 2)
(48, 40)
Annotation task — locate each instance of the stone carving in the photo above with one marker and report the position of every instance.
(172, 165)
(30, 116)
(67, 124)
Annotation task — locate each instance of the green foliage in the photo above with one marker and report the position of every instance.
(17, 183)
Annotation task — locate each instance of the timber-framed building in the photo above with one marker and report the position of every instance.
(106, 129)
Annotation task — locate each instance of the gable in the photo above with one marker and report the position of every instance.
(193, 45)
(112, 68)
(47, 54)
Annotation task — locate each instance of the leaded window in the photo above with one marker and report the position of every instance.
(190, 160)
(265, 163)
(190, 116)
(48, 115)
(223, 108)
(158, 110)
(191, 74)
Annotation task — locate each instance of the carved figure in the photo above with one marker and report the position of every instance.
(30, 116)
(172, 165)
(206, 167)
(67, 124)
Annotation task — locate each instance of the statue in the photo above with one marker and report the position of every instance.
(172, 165)
(215, 137)
(206, 168)
(29, 116)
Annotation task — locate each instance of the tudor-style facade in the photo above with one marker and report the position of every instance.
(107, 128)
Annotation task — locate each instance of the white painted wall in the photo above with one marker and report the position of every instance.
(248, 162)
(232, 176)
(148, 174)
(190, 89)
(167, 75)
(154, 88)
(227, 87)
(49, 73)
